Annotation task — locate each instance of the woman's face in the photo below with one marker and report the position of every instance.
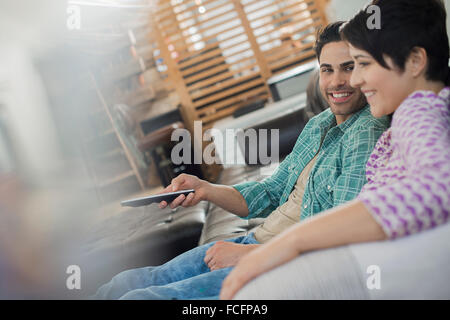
(385, 89)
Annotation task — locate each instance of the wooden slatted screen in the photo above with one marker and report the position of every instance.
(219, 54)
(285, 30)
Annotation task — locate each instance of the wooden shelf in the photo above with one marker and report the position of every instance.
(109, 154)
(101, 135)
(116, 179)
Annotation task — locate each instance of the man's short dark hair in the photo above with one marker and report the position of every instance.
(327, 34)
(405, 24)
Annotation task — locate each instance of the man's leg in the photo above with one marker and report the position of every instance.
(203, 286)
(187, 265)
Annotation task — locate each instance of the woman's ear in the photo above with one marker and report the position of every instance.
(417, 61)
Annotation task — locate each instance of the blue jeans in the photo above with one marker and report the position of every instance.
(184, 277)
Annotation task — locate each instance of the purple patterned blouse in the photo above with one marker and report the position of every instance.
(408, 173)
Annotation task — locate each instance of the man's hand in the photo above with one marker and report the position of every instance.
(226, 197)
(225, 254)
(183, 182)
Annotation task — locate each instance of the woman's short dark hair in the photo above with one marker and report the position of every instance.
(327, 34)
(405, 24)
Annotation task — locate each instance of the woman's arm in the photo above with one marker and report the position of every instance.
(413, 192)
(349, 223)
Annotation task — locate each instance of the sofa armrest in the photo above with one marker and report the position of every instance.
(138, 237)
(412, 267)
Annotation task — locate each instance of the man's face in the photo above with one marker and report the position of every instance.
(336, 66)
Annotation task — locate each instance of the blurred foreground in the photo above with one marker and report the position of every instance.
(47, 201)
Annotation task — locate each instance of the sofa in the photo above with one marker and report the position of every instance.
(147, 236)
(414, 267)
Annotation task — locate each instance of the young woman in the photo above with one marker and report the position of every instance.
(402, 68)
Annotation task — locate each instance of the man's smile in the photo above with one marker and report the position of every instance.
(339, 97)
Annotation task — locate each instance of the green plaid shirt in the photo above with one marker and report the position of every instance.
(338, 174)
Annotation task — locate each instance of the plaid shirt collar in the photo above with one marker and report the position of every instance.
(330, 121)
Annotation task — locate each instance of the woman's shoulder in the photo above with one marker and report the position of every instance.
(424, 98)
(421, 105)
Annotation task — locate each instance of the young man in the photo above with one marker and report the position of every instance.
(325, 168)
